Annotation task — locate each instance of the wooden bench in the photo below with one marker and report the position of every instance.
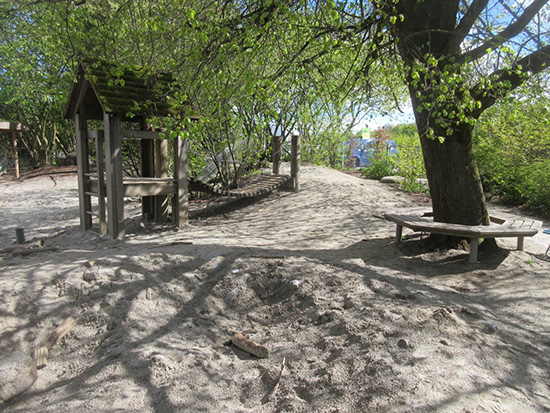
(499, 228)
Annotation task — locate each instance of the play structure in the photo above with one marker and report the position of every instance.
(13, 128)
(112, 96)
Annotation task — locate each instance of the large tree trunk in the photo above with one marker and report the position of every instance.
(453, 176)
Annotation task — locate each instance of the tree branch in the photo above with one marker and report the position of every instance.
(466, 24)
(505, 80)
(512, 30)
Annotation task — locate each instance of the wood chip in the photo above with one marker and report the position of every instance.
(249, 346)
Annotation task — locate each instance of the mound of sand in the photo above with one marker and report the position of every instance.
(361, 323)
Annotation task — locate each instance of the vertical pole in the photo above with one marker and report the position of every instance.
(295, 162)
(520, 243)
(83, 167)
(398, 233)
(15, 153)
(161, 171)
(181, 212)
(277, 146)
(100, 154)
(147, 170)
(474, 244)
(113, 164)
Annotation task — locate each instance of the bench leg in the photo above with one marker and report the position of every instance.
(520, 243)
(474, 243)
(398, 233)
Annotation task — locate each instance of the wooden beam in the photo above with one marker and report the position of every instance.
(147, 166)
(10, 126)
(181, 201)
(277, 145)
(83, 167)
(295, 162)
(15, 152)
(141, 134)
(113, 167)
(161, 171)
(100, 155)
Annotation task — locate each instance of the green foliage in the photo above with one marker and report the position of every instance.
(409, 162)
(512, 146)
(410, 165)
(382, 164)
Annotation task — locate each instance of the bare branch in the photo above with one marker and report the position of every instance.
(466, 23)
(512, 30)
(505, 80)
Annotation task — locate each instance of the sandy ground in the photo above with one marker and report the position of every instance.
(361, 323)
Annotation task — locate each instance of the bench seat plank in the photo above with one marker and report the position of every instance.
(499, 228)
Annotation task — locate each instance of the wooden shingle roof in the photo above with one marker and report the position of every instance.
(130, 92)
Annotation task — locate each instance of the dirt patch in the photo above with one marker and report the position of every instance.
(363, 324)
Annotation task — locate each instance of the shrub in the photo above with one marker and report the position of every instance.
(512, 146)
(382, 164)
(410, 165)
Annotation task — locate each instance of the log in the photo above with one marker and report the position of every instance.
(28, 251)
(34, 244)
(249, 346)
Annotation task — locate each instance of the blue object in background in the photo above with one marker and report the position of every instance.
(360, 152)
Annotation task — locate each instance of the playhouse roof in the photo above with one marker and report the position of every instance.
(129, 91)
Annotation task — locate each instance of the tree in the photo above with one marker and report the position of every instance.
(456, 57)
(460, 57)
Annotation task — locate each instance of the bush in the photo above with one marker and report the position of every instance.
(512, 146)
(382, 164)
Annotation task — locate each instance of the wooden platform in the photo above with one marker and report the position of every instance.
(500, 227)
(259, 186)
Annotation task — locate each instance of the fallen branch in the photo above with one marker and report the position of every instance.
(168, 244)
(16, 386)
(28, 251)
(249, 346)
(41, 351)
(30, 245)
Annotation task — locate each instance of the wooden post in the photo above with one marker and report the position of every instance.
(474, 244)
(15, 153)
(181, 201)
(147, 170)
(398, 233)
(115, 188)
(161, 171)
(520, 243)
(295, 162)
(100, 155)
(83, 167)
(277, 151)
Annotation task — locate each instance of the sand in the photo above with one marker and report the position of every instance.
(362, 323)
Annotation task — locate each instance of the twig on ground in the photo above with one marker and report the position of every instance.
(276, 387)
(6, 201)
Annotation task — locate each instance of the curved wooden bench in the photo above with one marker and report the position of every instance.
(499, 228)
